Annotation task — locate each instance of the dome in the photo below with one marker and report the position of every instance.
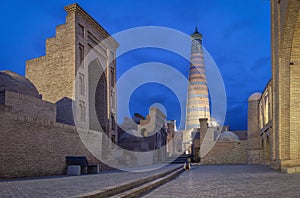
(255, 96)
(11, 81)
(228, 136)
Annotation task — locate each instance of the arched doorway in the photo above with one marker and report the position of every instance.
(101, 102)
(97, 85)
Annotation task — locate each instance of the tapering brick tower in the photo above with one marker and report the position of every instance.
(198, 100)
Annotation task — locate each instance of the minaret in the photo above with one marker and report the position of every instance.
(198, 100)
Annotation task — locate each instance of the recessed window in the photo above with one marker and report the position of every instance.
(81, 53)
(112, 77)
(113, 121)
(261, 116)
(266, 117)
(113, 140)
(82, 111)
(81, 84)
(113, 100)
(81, 30)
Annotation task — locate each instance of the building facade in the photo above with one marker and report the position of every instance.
(79, 66)
(273, 116)
(65, 105)
(145, 138)
(211, 147)
(277, 115)
(171, 142)
(285, 84)
(32, 142)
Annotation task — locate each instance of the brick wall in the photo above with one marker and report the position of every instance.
(30, 106)
(64, 111)
(254, 153)
(2, 97)
(54, 74)
(65, 71)
(34, 147)
(285, 82)
(227, 153)
(255, 156)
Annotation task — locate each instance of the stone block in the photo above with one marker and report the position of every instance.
(74, 170)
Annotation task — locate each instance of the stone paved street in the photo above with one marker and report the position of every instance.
(70, 186)
(201, 181)
(230, 181)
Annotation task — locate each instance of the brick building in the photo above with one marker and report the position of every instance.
(66, 105)
(273, 115)
(79, 65)
(32, 142)
(141, 134)
(274, 118)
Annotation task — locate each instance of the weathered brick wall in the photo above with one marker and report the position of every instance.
(285, 17)
(253, 123)
(65, 69)
(255, 156)
(295, 91)
(64, 111)
(254, 153)
(97, 64)
(33, 147)
(30, 106)
(2, 97)
(227, 153)
(54, 74)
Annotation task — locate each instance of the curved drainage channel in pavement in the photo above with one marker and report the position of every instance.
(136, 188)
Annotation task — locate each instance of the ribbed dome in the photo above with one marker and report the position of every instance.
(228, 136)
(11, 81)
(255, 96)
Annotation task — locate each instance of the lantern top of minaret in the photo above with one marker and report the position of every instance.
(196, 34)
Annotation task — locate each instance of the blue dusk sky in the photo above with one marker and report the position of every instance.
(236, 33)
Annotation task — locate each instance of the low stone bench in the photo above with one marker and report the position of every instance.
(74, 170)
(82, 162)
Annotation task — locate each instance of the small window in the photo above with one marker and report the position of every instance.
(81, 30)
(261, 116)
(266, 114)
(113, 140)
(113, 100)
(112, 77)
(113, 122)
(82, 111)
(81, 53)
(81, 84)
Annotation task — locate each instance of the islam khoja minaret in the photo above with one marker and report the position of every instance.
(197, 98)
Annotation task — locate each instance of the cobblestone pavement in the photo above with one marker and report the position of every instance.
(230, 181)
(68, 186)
